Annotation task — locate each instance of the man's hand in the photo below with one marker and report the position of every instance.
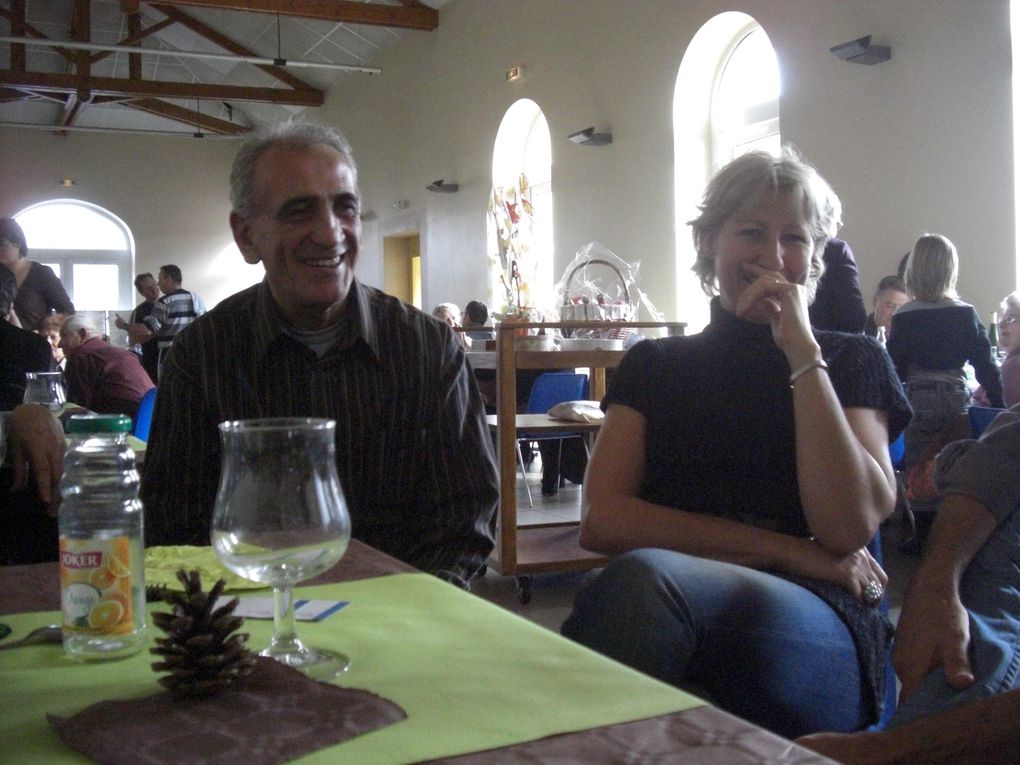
(933, 631)
(37, 441)
(137, 333)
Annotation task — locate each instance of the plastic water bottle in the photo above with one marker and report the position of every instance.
(102, 557)
(993, 334)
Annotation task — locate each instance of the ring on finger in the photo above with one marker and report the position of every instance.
(872, 592)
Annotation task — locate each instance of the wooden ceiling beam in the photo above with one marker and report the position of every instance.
(416, 16)
(10, 94)
(112, 86)
(134, 20)
(17, 19)
(81, 31)
(72, 108)
(190, 117)
(135, 35)
(196, 26)
(31, 31)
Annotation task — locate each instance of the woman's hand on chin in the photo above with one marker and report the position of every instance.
(783, 304)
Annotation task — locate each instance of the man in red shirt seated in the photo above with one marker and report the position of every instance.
(100, 376)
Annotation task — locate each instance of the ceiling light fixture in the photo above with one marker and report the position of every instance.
(67, 183)
(443, 187)
(588, 137)
(861, 51)
(515, 73)
(259, 60)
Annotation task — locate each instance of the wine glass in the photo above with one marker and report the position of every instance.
(46, 388)
(280, 518)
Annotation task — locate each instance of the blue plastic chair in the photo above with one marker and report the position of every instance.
(897, 451)
(981, 417)
(549, 389)
(144, 417)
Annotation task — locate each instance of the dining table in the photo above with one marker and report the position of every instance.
(478, 683)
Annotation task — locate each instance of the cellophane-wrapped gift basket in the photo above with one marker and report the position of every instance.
(599, 286)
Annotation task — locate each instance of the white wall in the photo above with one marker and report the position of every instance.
(919, 143)
(171, 192)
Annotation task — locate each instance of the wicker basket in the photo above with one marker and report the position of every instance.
(592, 310)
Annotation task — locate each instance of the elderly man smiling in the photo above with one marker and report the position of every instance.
(413, 451)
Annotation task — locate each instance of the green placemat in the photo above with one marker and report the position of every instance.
(470, 675)
(162, 563)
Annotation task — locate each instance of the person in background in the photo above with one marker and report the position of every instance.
(413, 449)
(21, 351)
(741, 473)
(1009, 343)
(173, 312)
(931, 339)
(838, 304)
(149, 350)
(39, 290)
(30, 486)
(50, 329)
(100, 376)
(28, 533)
(449, 313)
(476, 319)
(958, 638)
(889, 296)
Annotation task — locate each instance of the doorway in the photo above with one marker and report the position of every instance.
(402, 267)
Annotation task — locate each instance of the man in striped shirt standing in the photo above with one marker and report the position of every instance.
(413, 450)
(173, 312)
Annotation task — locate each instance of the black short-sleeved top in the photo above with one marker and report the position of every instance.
(719, 438)
(719, 415)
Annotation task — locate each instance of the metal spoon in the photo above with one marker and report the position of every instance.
(51, 633)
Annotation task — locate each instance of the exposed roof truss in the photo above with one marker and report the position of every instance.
(177, 88)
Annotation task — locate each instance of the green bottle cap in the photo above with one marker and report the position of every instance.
(99, 423)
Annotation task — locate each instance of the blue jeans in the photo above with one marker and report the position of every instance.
(754, 644)
(990, 589)
(935, 405)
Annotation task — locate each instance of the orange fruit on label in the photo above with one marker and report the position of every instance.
(101, 578)
(117, 597)
(117, 565)
(105, 615)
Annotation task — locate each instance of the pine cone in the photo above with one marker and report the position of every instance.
(201, 655)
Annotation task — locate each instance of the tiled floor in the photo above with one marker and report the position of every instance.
(553, 594)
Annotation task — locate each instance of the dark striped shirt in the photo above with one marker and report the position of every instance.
(413, 451)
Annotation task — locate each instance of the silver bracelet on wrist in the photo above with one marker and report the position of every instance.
(797, 373)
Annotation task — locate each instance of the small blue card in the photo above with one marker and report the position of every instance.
(304, 610)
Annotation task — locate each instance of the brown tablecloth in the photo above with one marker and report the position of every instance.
(37, 587)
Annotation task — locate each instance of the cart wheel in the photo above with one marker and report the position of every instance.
(524, 589)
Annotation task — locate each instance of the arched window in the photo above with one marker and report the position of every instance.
(90, 250)
(521, 212)
(745, 106)
(726, 102)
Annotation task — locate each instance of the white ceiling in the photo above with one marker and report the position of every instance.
(264, 34)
